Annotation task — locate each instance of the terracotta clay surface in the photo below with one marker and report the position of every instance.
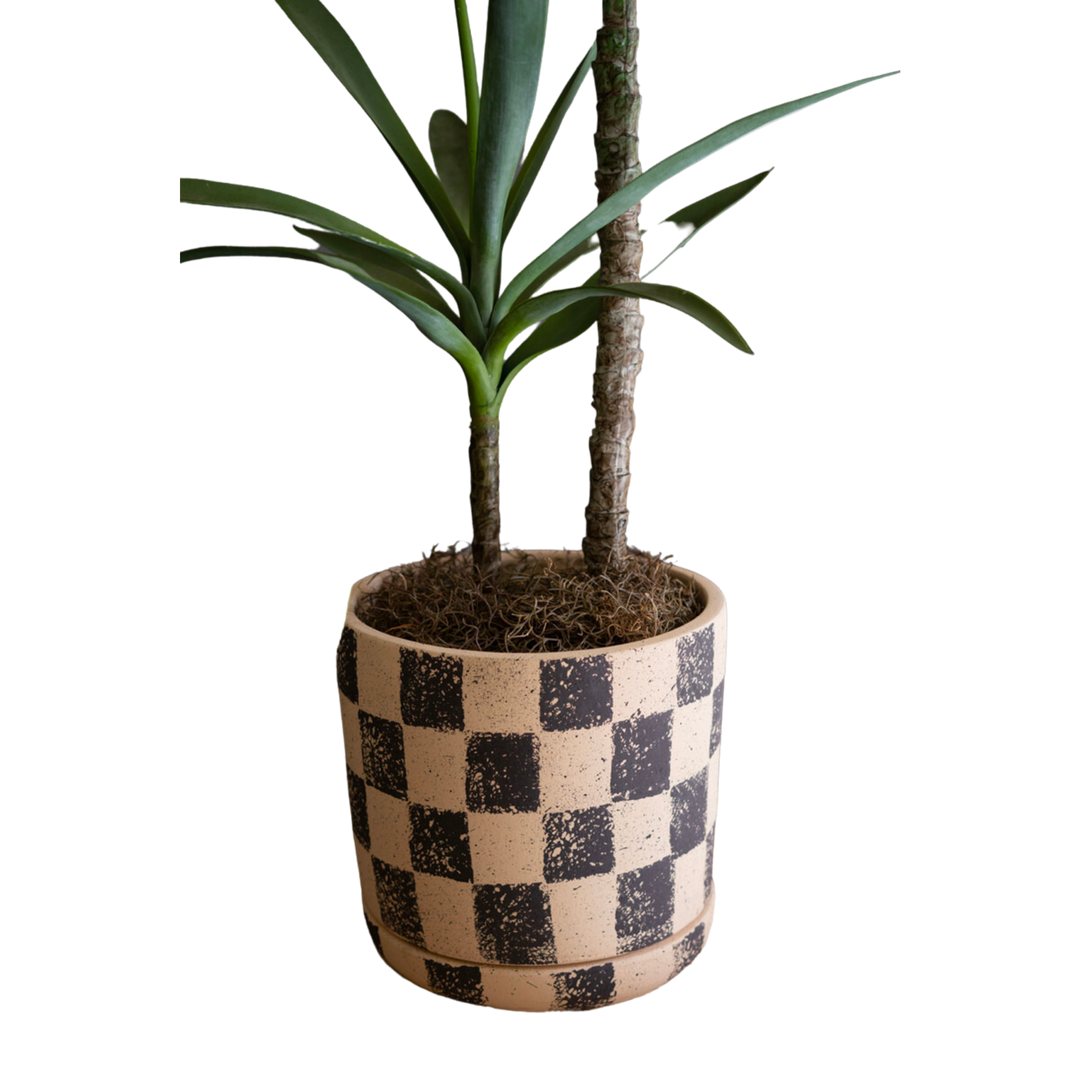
(535, 831)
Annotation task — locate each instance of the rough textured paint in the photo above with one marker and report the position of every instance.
(513, 924)
(689, 801)
(345, 664)
(383, 748)
(575, 693)
(590, 986)
(396, 892)
(641, 758)
(578, 843)
(503, 773)
(646, 905)
(439, 842)
(688, 950)
(461, 982)
(717, 717)
(695, 665)
(358, 806)
(431, 691)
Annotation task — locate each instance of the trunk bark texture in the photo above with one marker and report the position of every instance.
(484, 491)
(618, 355)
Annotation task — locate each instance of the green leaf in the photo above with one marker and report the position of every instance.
(384, 264)
(556, 330)
(326, 36)
(431, 323)
(652, 178)
(699, 214)
(449, 139)
(258, 199)
(543, 307)
(472, 90)
(512, 54)
(584, 248)
(530, 167)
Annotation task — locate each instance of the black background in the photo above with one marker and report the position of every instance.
(329, 440)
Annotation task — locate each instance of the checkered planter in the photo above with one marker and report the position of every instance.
(535, 831)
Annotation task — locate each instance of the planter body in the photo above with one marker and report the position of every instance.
(535, 831)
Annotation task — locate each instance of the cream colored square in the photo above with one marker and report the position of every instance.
(446, 915)
(689, 887)
(527, 991)
(720, 636)
(575, 768)
(404, 959)
(506, 849)
(378, 677)
(501, 695)
(690, 731)
(583, 917)
(713, 794)
(642, 830)
(350, 727)
(435, 767)
(643, 680)
(643, 971)
(388, 823)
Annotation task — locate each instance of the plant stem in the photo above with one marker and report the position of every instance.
(484, 490)
(618, 354)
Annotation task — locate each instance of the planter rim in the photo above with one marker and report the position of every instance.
(715, 602)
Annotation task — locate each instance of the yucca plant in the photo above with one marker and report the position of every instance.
(481, 178)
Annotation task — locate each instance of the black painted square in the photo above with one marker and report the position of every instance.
(695, 666)
(431, 691)
(717, 717)
(358, 806)
(513, 924)
(689, 949)
(503, 773)
(575, 693)
(461, 982)
(382, 745)
(646, 905)
(439, 842)
(586, 988)
(710, 848)
(641, 757)
(578, 843)
(396, 892)
(346, 665)
(689, 802)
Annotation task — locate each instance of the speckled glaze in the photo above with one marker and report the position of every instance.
(535, 831)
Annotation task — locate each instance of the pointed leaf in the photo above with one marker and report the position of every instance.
(700, 213)
(530, 167)
(472, 89)
(431, 323)
(583, 249)
(512, 54)
(543, 307)
(556, 330)
(449, 139)
(652, 178)
(384, 264)
(258, 199)
(326, 36)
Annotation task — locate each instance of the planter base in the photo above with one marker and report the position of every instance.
(531, 988)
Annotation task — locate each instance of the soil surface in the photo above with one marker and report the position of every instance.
(534, 604)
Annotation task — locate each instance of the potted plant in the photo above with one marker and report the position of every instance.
(532, 738)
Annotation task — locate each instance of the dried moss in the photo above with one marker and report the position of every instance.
(534, 604)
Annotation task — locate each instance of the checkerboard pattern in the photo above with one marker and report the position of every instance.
(523, 810)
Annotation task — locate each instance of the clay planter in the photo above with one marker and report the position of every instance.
(535, 831)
